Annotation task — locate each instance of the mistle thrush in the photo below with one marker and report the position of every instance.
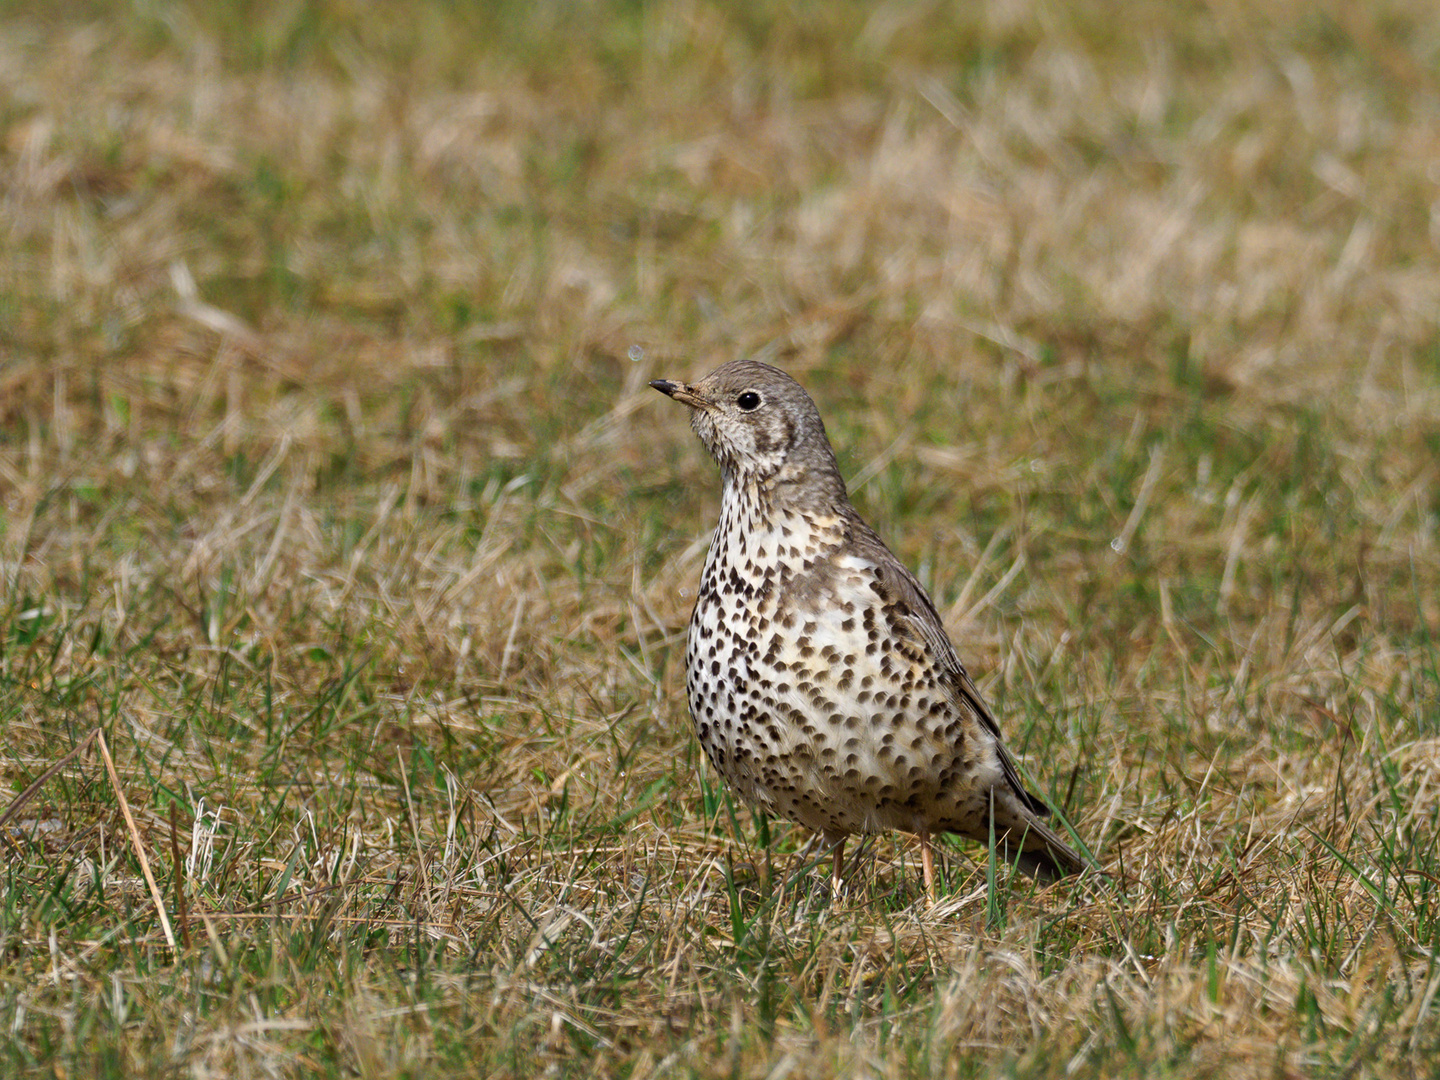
(821, 680)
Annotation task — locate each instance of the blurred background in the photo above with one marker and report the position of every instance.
(331, 489)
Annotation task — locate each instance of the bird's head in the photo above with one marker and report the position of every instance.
(759, 424)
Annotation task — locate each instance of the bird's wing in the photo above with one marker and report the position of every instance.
(919, 615)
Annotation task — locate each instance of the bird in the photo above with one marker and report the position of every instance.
(819, 676)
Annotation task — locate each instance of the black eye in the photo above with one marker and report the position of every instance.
(749, 401)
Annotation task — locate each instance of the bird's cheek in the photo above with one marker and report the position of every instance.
(704, 427)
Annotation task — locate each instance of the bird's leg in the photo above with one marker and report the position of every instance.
(837, 864)
(927, 863)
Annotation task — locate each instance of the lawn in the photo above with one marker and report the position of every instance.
(333, 496)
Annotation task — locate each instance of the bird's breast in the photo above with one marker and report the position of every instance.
(803, 693)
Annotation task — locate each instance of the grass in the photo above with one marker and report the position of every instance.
(331, 493)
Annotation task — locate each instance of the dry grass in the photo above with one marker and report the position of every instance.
(329, 490)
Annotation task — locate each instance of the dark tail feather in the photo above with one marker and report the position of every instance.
(1051, 861)
(1044, 856)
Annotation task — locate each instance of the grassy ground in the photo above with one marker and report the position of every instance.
(331, 493)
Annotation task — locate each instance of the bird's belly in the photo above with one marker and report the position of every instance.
(827, 722)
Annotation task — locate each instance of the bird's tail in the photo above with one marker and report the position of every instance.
(1046, 858)
(1042, 855)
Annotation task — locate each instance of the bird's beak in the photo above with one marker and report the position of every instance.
(680, 392)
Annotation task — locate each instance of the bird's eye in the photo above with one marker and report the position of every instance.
(749, 401)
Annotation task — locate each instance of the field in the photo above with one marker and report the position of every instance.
(332, 495)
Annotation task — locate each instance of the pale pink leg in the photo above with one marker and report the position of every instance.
(927, 863)
(837, 864)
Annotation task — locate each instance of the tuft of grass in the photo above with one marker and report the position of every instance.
(331, 493)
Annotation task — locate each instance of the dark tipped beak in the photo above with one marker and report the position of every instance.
(679, 391)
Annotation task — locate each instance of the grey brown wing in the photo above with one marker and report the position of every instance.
(920, 615)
